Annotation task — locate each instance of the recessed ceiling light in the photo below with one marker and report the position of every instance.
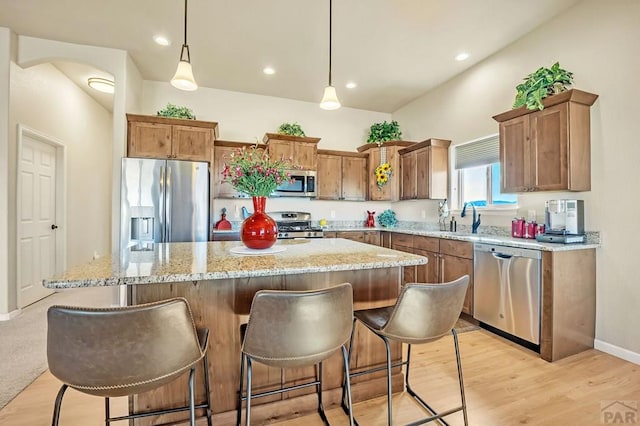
(351, 85)
(269, 71)
(462, 56)
(101, 84)
(161, 40)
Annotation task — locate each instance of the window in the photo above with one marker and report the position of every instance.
(477, 166)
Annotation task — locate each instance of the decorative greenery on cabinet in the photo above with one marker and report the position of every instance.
(175, 111)
(384, 132)
(291, 129)
(540, 84)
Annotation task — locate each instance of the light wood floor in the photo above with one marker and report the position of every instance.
(505, 385)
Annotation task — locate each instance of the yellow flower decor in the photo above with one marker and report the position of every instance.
(383, 174)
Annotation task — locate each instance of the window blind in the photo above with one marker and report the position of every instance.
(480, 152)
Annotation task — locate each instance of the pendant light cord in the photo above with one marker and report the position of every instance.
(185, 22)
(185, 46)
(330, 15)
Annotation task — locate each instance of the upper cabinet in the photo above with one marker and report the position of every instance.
(391, 190)
(221, 152)
(342, 175)
(303, 151)
(425, 170)
(170, 138)
(548, 150)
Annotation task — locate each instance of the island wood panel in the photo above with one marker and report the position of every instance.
(223, 305)
(568, 303)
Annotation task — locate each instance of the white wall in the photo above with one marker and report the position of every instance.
(43, 99)
(598, 42)
(7, 50)
(245, 117)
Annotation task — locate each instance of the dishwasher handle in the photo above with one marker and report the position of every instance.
(503, 255)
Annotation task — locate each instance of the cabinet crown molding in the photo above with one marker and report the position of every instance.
(278, 136)
(573, 95)
(173, 121)
(369, 146)
(443, 143)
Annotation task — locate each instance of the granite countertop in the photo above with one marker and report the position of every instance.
(179, 262)
(478, 238)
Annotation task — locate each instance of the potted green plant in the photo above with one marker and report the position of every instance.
(291, 129)
(540, 84)
(383, 132)
(174, 111)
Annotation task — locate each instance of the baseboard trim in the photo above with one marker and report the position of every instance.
(617, 351)
(10, 315)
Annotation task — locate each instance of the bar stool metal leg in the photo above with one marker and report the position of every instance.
(248, 405)
(107, 412)
(345, 358)
(319, 392)
(56, 407)
(207, 389)
(239, 413)
(192, 402)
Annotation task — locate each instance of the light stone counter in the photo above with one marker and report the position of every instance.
(478, 238)
(180, 262)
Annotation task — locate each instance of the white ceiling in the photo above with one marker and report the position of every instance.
(395, 50)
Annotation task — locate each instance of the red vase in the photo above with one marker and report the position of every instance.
(259, 231)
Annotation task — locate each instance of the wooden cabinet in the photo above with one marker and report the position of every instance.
(170, 138)
(390, 191)
(548, 150)
(456, 260)
(425, 170)
(303, 151)
(341, 176)
(368, 237)
(448, 260)
(221, 151)
(568, 308)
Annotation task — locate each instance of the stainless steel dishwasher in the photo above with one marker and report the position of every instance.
(506, 290)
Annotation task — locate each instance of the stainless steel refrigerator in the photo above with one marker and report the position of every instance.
(163, 201)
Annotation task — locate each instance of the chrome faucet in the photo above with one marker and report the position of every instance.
(474, 223)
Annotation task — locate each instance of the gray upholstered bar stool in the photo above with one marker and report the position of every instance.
(293, 329)
(112, 352)
(422, 313)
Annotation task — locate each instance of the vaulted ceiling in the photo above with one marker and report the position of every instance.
(394, 50)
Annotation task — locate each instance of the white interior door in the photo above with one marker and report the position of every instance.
(36, 219)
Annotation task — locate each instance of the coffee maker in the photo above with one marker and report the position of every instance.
(564, 222)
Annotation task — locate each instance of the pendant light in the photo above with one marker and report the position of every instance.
(330, 98)
(183, 79)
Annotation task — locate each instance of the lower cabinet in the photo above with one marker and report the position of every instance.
(456, 260)
(368, 237)
(448, 260)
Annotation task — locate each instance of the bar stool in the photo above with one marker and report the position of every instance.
(293, 329)
(113, 352)
(422, 313)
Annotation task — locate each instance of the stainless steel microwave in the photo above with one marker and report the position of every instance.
(302, 183)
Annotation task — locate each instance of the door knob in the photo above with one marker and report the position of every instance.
(54, 226)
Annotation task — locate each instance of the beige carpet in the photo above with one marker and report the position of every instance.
(23, 340)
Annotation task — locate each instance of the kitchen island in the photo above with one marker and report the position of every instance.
(220, 286)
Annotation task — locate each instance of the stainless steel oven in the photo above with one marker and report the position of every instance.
(295, 225)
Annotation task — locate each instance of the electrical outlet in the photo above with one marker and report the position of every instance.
(96, 255)
(423, 214)
(532, 215)
(332, 214)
